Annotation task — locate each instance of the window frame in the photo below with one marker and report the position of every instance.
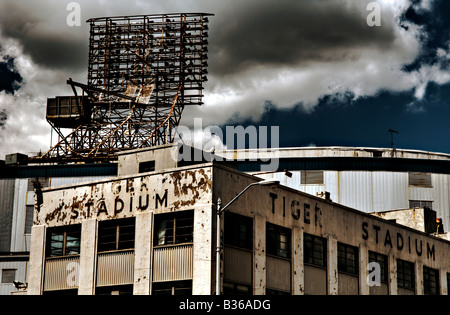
(273, 241)
(401, 264)
(312, 177)
(383, 261)
(310, 252)
(117, 229)
(344, 265)
(6, 278)
(238, 231)
(427, 277)
(63, 231)
(173, 239)
(182, 286)
(420, 179)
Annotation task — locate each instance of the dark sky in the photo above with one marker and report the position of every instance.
(422, 124)
(313, 68)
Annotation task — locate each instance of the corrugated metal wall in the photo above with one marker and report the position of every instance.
(173, 263)
(6, 213)
(20, 268)
(238, 265)
(115, 268)
(61, 273)
(278, 273)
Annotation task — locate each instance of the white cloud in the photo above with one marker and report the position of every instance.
(362, 63)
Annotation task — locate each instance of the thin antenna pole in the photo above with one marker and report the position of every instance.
(391, 131)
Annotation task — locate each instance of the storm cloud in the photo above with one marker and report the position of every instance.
(296, 33)
(289, 53)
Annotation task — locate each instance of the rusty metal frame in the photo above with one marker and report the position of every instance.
(142, 72)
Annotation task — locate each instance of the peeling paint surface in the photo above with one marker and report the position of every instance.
(124, 197)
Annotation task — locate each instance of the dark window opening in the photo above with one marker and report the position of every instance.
(421, 204)
(145, 167)
(174, 228)
(172, 288)
(115, 290)
(116, 234)
(29, 218)
(348, 259)
(238, 231)
(278, 241)
(63, 241)
(315, 250)
(382, 261)
(277, 292)
(405, 274)
(233, 288)
(430, 281)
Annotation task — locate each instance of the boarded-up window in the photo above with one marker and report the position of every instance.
(419, 179)
(311, 177)
(8, 275)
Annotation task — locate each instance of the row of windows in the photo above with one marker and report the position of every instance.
(113, 235)
(172, 229)
(239, 233)
(414, 178)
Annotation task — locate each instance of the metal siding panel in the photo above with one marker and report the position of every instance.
(18, 241)
(331, 180)
(441, 198)
(59, 274)
(278, 274)
(173, 263)
(115, 268)
(389, 191)
(21, 269)
(355, 190)
(6, 213)
(62, 181)
(238, 265)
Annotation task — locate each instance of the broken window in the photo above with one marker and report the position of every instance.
(174, 228)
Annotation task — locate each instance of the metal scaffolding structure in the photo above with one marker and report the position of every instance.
(143, 71)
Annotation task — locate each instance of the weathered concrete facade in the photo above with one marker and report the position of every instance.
(293, 217)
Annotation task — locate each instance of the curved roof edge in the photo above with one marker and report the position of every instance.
(332, 151)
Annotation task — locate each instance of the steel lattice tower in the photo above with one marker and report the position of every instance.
(143, 71)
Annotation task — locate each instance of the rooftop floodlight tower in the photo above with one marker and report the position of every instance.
(143, 71)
